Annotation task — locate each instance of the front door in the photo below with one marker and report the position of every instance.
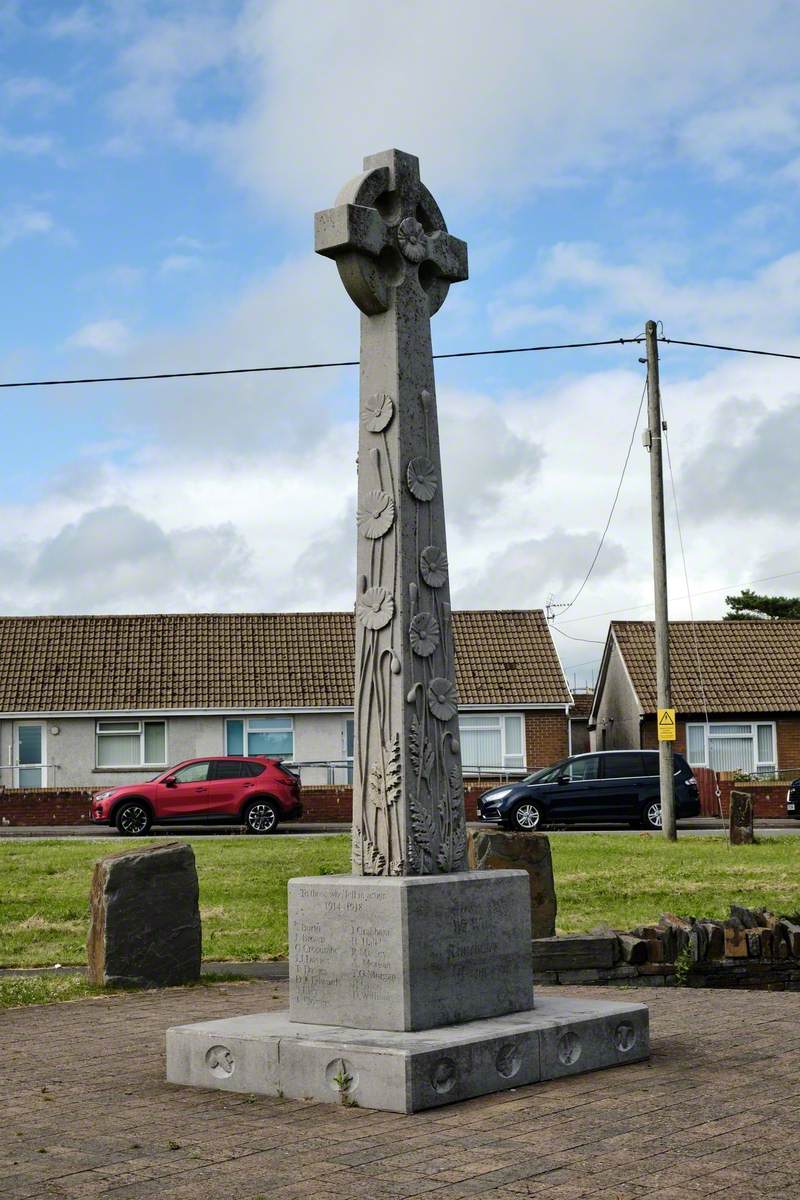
(29, 755)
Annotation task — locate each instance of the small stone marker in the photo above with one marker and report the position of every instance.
(497, 849)
(145, 918)
(741, 819)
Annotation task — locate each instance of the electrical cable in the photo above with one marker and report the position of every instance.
(730, 349)
(611, 612)
(354, 362)
(313, 366)
(593, 641)
(565, 607)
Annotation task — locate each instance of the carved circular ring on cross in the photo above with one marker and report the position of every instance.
(386, 234)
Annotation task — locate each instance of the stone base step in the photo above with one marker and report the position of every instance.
(267, 1054)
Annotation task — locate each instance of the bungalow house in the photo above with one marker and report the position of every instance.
(93, 701)
(745, 675)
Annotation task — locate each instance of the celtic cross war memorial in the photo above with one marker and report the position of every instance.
(410, 979)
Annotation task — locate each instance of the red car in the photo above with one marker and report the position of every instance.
(255, 791)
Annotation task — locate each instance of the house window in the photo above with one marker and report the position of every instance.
(491, 741)
(260, 735)
(745, 746)
(131, 743)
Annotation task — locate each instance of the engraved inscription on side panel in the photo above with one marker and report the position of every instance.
(345, 957)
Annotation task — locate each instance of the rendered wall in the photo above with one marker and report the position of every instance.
(617, 709)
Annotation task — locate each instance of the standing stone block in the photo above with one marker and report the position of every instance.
(495, 849)
(145, 918)
(741, 819)
(409, 952)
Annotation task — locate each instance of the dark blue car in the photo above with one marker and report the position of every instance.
(609, 785)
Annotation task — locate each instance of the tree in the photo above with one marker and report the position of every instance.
(749, 606)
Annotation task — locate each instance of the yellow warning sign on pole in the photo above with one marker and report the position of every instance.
(666, 724)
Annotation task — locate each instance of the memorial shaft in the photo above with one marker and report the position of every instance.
(397, 260)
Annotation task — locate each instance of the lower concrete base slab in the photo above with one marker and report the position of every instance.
(267, 1054)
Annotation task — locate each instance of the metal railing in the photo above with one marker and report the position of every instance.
(47, 776)
(339, 772)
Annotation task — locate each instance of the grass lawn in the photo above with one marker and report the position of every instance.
(620, 881)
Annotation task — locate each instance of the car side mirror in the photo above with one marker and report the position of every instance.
(170, 781)
(563, 779)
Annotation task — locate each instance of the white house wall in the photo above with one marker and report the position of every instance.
(617, 709)
(72, 755)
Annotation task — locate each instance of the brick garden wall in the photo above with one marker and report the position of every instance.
(71, 807)
(769, 799)
(51, 806)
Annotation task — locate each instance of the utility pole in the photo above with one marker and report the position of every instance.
(663, 682)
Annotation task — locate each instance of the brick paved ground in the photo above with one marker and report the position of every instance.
(86, 1113)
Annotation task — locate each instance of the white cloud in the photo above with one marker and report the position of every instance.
(525, 571)
(29, 145)
(21, 222)
(497, 106)
(32, 90)
(763, 303)
(80, 23)
(178, 263)
(108, 337)
(764, 124)
(115, 559)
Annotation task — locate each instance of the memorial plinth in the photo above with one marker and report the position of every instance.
(409, 953)
(411, 979)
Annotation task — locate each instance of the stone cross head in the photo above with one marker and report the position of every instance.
(388, 237)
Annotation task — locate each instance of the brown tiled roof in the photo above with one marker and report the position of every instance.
(248, 660)
(747, 666)
(582, 707)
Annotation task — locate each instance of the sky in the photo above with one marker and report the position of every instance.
(606, 163)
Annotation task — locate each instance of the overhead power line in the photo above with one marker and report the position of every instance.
(730, 349)
(600, 544)
(354, 362)
(592, 641)
(312, 366)
(726, 587)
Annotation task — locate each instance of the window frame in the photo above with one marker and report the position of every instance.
(246, 730)
(759, 766)
(140, 723)
(500, 718)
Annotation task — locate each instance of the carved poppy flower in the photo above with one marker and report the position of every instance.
(442, 699)
(421, 476)
(378, 412)
(375, 608)
(424, 634)
(433, 565)
(412, 239)
(376, 515)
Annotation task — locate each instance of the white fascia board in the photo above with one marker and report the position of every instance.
(145, 713)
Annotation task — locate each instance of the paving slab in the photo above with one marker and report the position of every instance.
(711, 1113)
